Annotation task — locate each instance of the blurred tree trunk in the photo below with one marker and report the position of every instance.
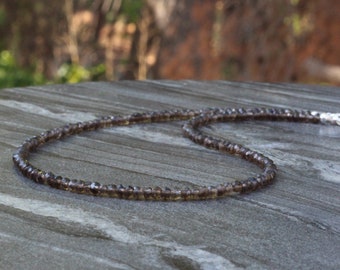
(31, 32)
(189, 46)
(72, 41)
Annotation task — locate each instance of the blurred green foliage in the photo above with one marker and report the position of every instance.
(11, 75)
(71, 73)
(131, 9)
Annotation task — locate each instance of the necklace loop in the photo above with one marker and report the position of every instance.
(197, 119)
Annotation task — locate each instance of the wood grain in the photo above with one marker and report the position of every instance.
(292, 224)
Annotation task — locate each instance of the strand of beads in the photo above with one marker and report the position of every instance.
(197, 119)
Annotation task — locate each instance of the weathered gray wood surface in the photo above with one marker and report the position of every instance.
(293, 224)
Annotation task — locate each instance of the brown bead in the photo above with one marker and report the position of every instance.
(64, 182)
(237, 186)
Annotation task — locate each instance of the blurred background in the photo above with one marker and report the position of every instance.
(70, 41)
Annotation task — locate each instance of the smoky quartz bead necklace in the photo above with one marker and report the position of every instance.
(195, 120)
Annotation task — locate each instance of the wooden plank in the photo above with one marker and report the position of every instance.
(292, 224)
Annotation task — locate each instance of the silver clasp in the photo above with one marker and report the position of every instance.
(329, 118)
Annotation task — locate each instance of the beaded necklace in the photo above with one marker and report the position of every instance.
(196, 119)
